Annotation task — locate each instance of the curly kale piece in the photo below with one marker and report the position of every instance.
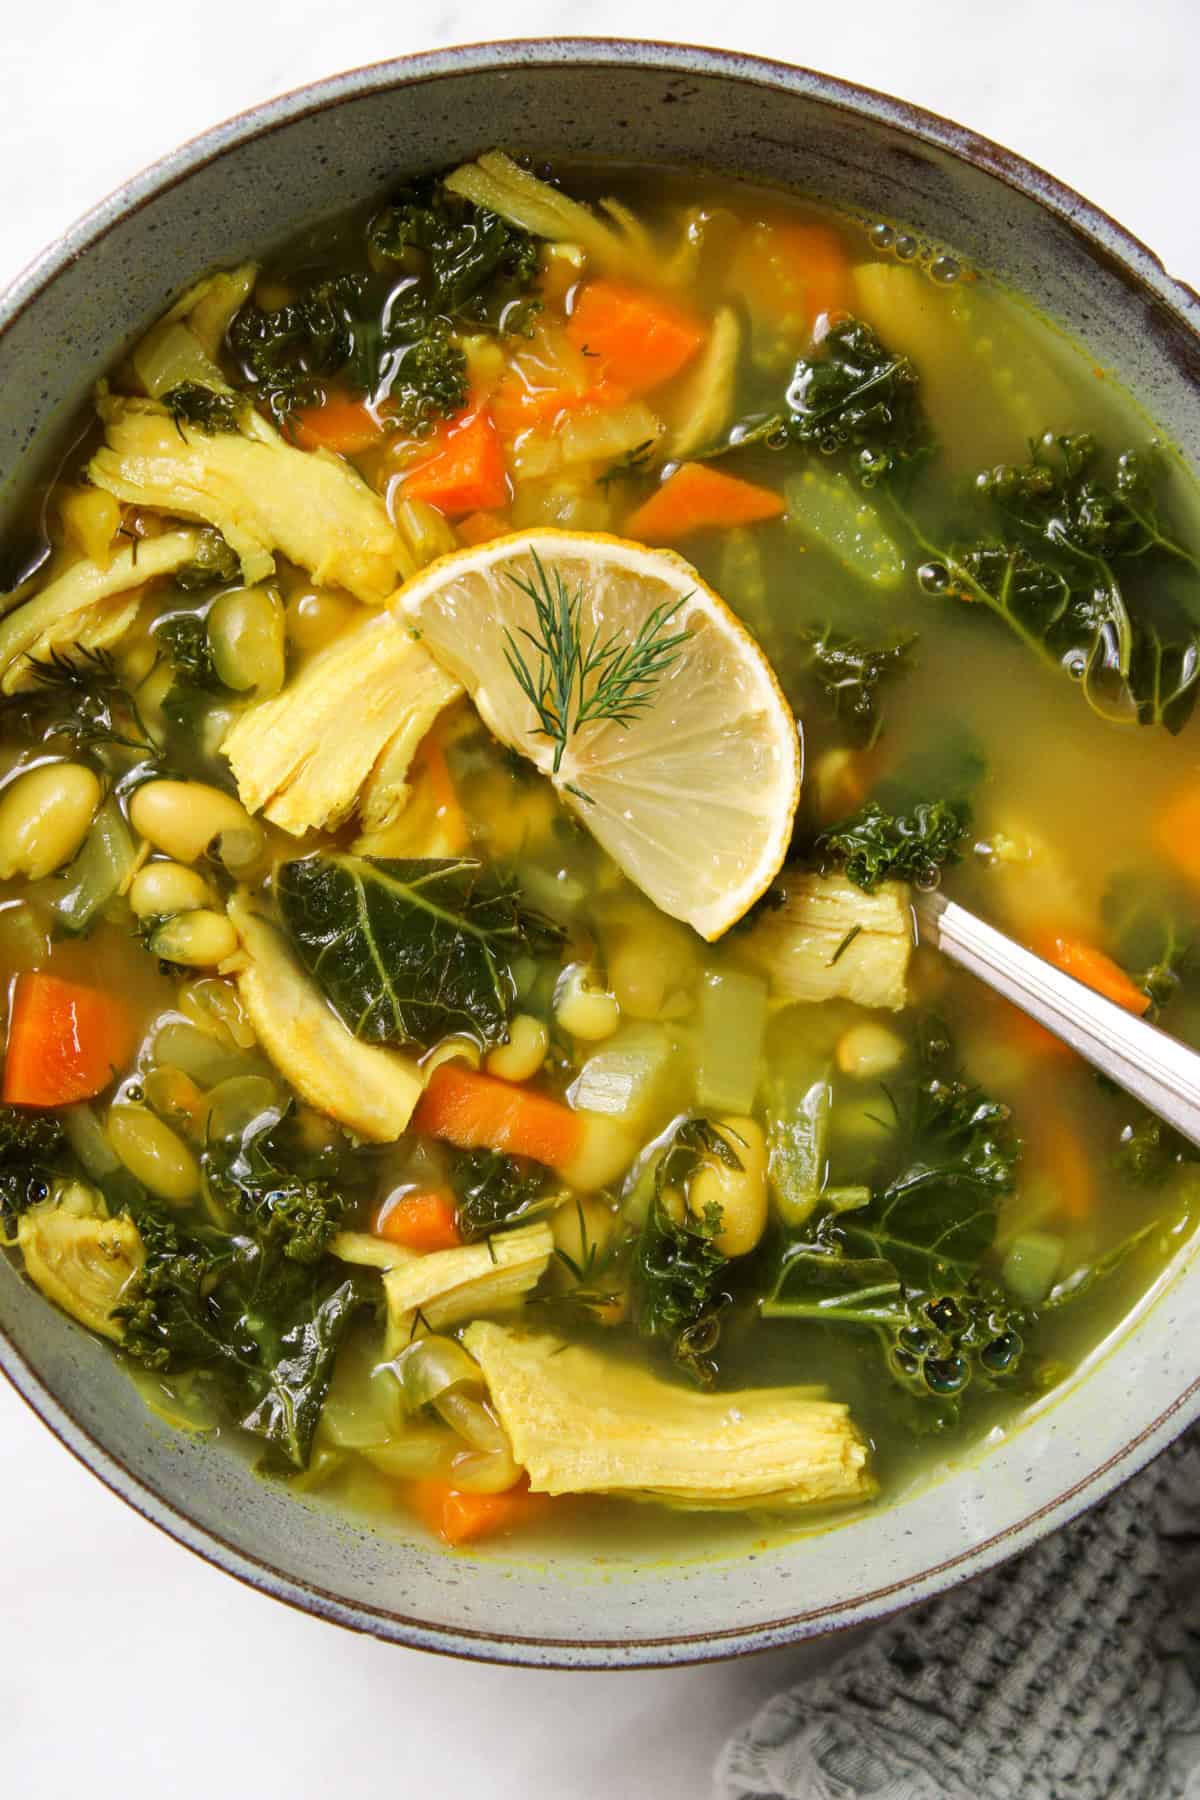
(1085, 572)
(494, 1191)
(31, 1153)
(678, 1271)
(850, 674)
(209, 411)
(873, 845)
(213, 565)
(262, 1331)
(391, 339)
(292, 1200)
(852, 398)
(473, 264)
(910, 1262)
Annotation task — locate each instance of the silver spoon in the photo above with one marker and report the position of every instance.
(1155, 1068)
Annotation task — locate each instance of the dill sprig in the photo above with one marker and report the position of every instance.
(634, 462)
(92, 705)
(574, 682)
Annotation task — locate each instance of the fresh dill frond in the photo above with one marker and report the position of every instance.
(89, 701)
(634, 462)
(573, 682)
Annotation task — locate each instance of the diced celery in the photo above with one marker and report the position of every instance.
(1032, 1265)
(558, 895)
(828, 509)
(169, 355)
(85, 1135)
(633, 1076)
(799, 1100)
(846, 1199)
(105, 863)
(733, 1018)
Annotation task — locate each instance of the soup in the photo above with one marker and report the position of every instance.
(451, 1053)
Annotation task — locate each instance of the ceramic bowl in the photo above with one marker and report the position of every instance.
(260, 179)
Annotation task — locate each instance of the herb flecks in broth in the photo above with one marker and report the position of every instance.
(416, 1116)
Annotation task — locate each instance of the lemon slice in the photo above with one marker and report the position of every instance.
(692, 792)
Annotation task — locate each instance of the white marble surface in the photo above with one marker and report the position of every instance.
(128, 1667)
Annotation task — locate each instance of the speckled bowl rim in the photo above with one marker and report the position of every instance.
(1111, 244)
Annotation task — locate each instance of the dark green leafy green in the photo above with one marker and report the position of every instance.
(204, 408)
(852, 398)
(850, 675)
(31, 1152)
(431, 260)
(678, 1271)
(873, 845)
(262, 1330)
(495, 1191)
(408, 951)
(291, 1198)
(472, 264)
(910, 1262)
(213, 565)
(1086, 573)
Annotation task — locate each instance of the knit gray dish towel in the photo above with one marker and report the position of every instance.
(1071, 1673)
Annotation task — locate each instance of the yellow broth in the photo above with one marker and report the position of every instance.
(1064, 810)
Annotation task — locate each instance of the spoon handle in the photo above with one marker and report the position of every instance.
(1155, 1068)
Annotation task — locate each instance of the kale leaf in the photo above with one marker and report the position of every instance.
(852, 398)
(873, 845)
(408, 950)
(31, 1153)
(263, 1330)
(1083, 571)
(494, 1191)
(388, 338)
(471, 263)
(909, 1262)
(213, 565)
(291, 1200)
(850, 674)
(205, 408)
(678, 1271)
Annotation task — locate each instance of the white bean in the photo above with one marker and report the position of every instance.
(162, 888)
(151, 1151)
(869, 1051)
(740, 1194)
(246, 634)
(44, 818)
(197, 940)
(583, 1006)
(182, 818)
(525, 1051)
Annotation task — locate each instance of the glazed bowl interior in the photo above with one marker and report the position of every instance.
(261, 179)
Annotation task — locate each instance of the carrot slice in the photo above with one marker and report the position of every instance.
(480, 1112)
(518, 408)
(641, 339)
(696, 498)
(791, 273)
(1095, 970)
(458, 1516)
(481, 528)
(424, 1220)
(1176, 832)
(338, 423)
(466, 472)
(65, 1042)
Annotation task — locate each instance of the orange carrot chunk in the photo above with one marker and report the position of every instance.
(791, 274)
(459, 1517)
(639, 339)
(481, 528)
(696, 498)
(447, 807)
(1175, 833)
(338, 423)
(1095, 970)
(466, 472)
(65, 1042)
(480, 1112)
(425, 1219)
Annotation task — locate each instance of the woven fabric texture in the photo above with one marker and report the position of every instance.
(1071, 1673)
